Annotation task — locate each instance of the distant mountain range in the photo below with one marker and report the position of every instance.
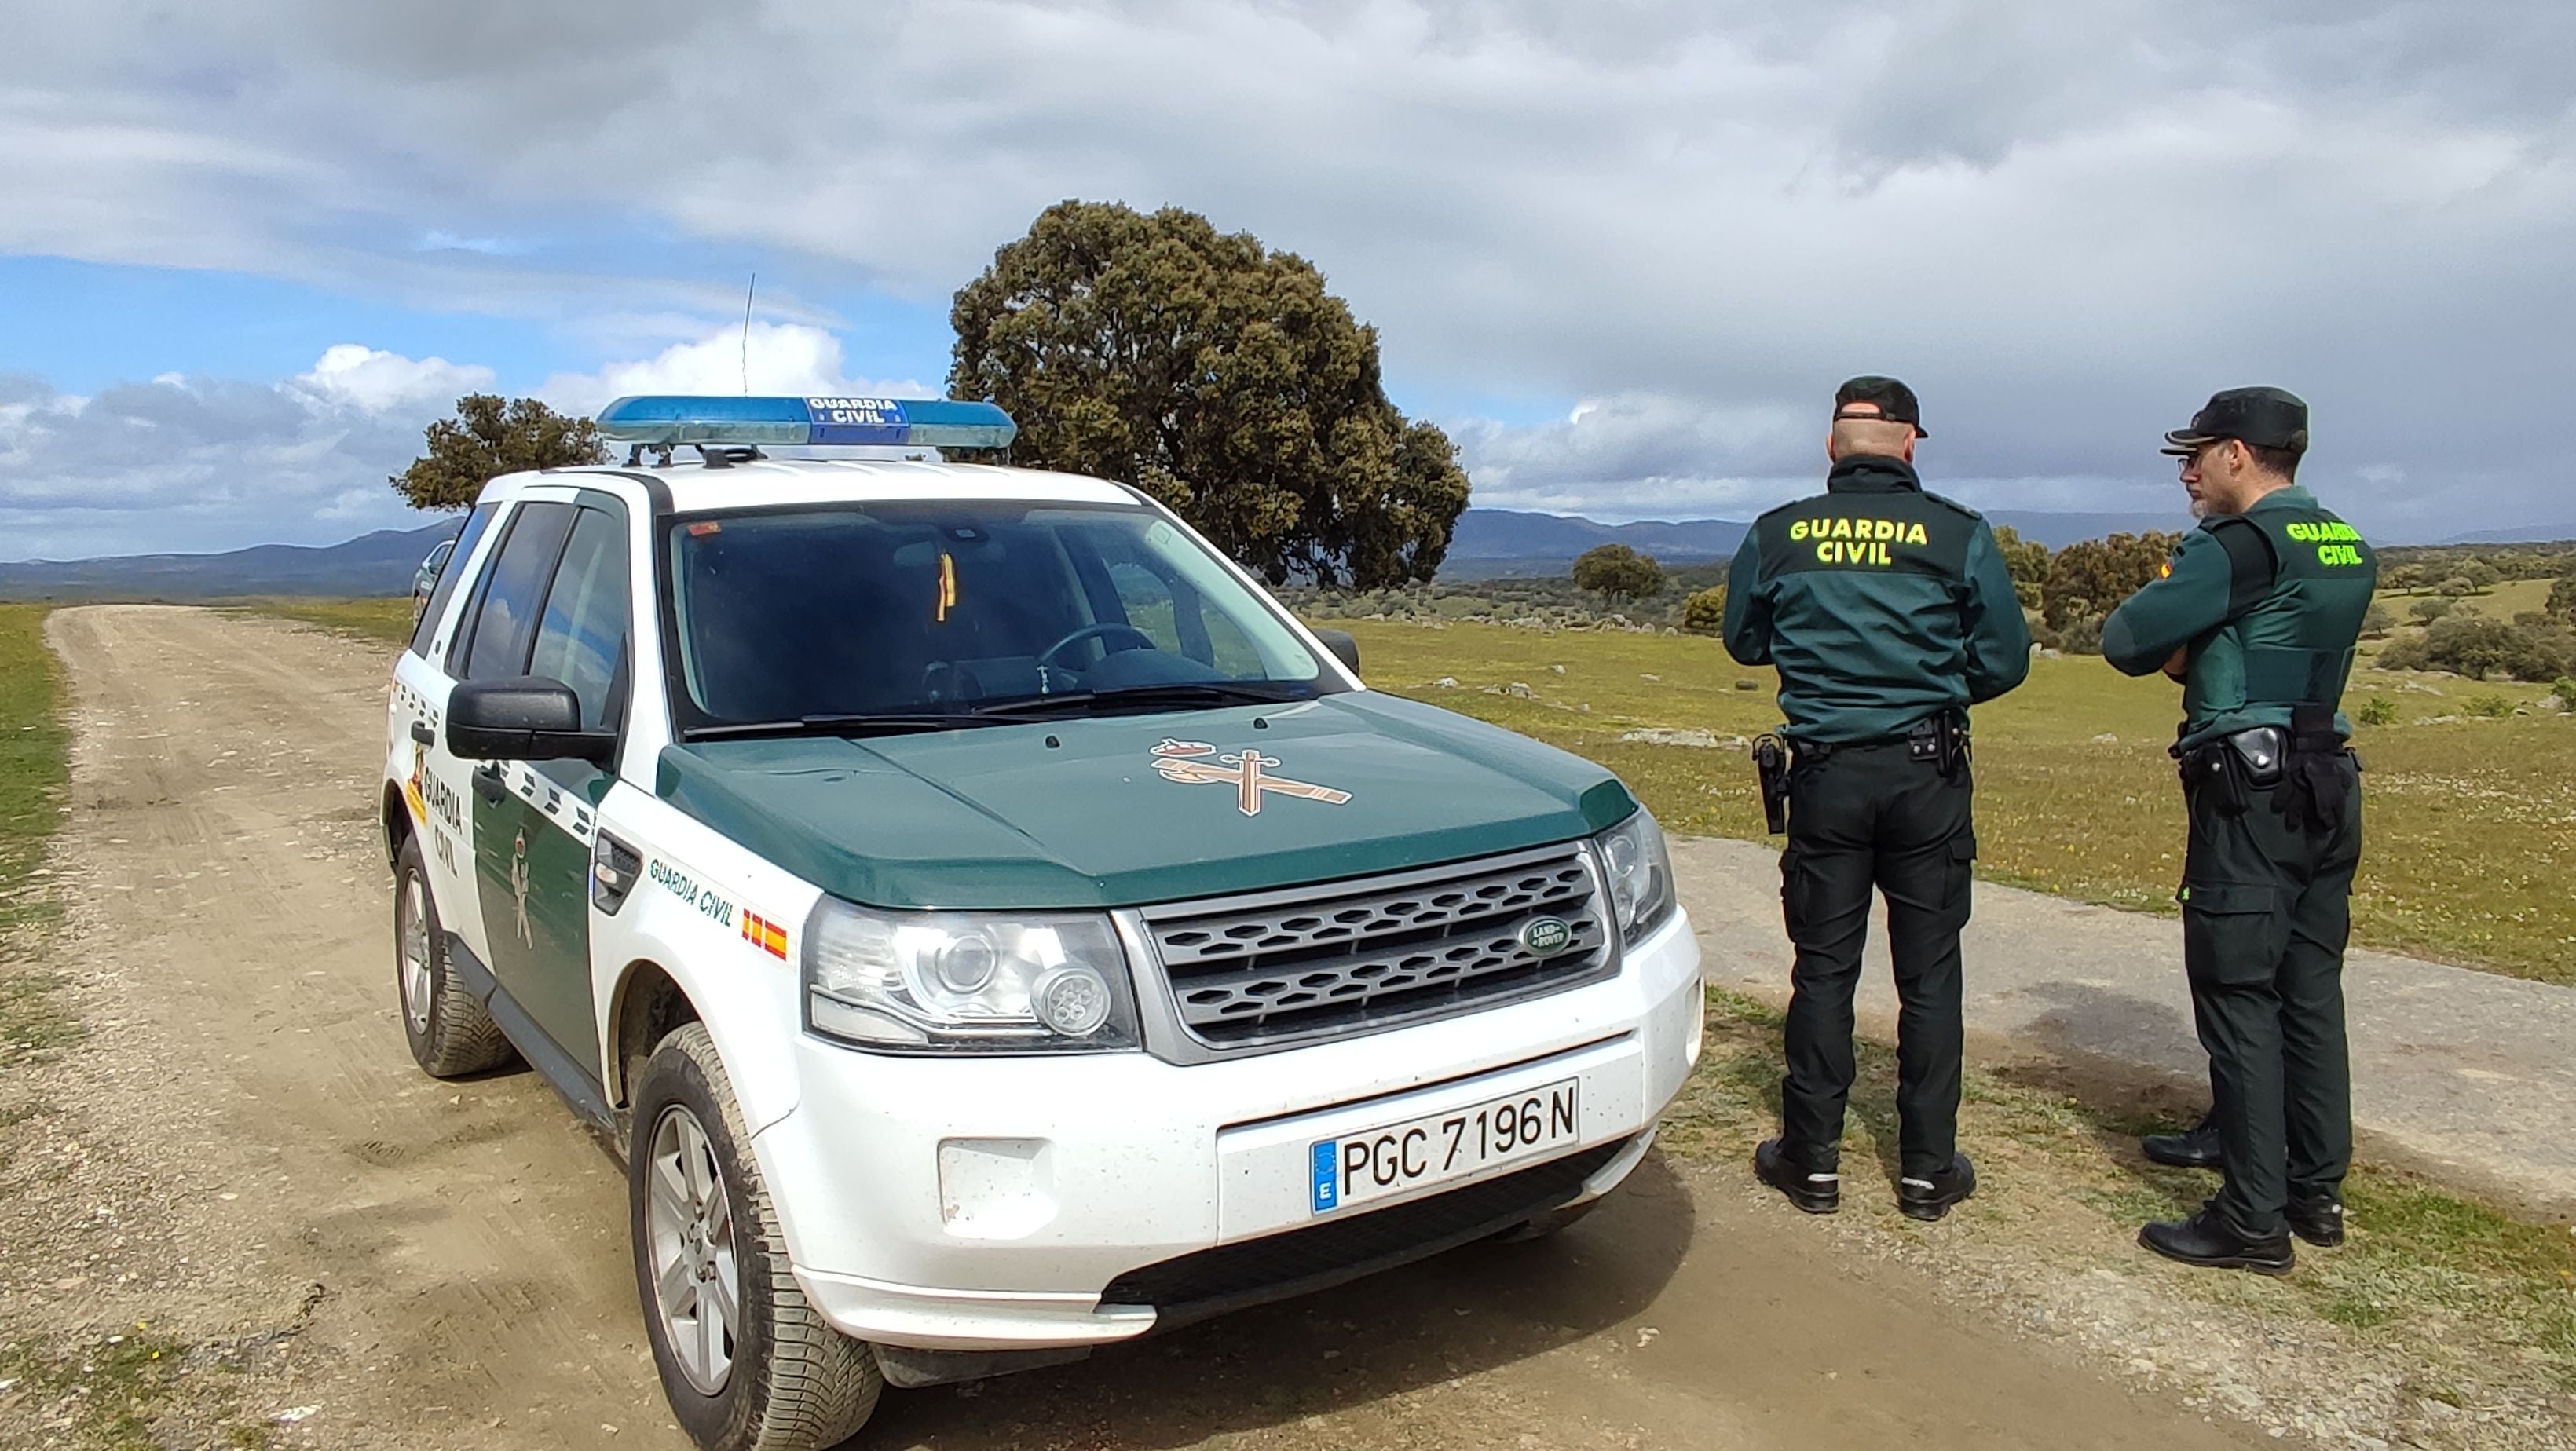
(381, 563)
(1489, 543)
(1507, 542)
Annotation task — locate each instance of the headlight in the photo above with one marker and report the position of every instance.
(966, 982)
(1640, 872)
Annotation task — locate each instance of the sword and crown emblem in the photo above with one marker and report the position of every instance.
(1197, 763)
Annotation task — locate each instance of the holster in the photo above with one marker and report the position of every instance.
(2317, 790)
(1941, 739)
(1771, 770)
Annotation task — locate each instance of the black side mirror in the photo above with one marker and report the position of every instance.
(525, 718)
(1344, 648)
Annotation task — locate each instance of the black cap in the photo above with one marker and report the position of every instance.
(2262, 417)
(1895, 401)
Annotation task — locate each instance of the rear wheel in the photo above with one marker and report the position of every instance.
(745, 1361)
(449, 1031)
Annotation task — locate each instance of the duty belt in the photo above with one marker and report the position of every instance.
(2308, 754)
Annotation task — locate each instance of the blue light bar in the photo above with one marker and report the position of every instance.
(671, 418)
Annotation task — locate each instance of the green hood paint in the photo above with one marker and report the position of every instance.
(993, 817)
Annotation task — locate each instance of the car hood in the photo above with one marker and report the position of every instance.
(1126, 810)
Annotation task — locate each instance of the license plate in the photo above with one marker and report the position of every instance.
(1401, 1157)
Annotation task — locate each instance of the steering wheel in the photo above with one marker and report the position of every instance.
(1140, 641)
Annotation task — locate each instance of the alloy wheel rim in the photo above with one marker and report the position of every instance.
(415, 956)
(697, 1285)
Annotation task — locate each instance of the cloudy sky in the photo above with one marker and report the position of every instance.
(1622, 250)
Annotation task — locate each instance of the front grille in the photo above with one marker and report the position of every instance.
(1365, 955)
(1302, 1261)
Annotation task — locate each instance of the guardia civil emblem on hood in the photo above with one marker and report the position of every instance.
(1247, 771)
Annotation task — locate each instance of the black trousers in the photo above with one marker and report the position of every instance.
(2266, 911)
(1860, 818)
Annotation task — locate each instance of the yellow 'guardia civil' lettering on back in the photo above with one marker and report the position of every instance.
(1843, 526)
(2321, 533)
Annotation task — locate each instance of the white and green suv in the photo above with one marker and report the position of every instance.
(989, 925)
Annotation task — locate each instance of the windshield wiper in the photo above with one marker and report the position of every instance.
(894, 723)
(1170, 695)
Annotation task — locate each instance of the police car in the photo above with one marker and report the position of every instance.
(990, 926)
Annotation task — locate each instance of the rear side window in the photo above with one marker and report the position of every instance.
(581, 639)
(506, 620)
(425, 629)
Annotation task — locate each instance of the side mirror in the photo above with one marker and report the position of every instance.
(1344, 648)
(526, 718)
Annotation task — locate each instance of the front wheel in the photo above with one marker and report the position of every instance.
(745, 1361)
(447, 1027)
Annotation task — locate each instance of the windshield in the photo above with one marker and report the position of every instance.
(941, 608)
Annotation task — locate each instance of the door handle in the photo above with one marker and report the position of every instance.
(487, 783)
(421, 734)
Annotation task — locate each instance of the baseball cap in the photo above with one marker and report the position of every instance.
(2262, 417)
(1895, 401)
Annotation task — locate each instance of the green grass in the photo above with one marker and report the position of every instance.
(386, 621)
(2471, 822)
(33, 746)
(2457, 1285)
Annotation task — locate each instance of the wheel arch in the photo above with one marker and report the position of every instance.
(395, 817)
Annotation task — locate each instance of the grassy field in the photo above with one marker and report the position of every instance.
(2472, 820)
(32, 754)
(386, 620)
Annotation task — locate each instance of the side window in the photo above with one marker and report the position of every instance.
(507, 618)
(1148, 603)
(450, 573)
(581, 638)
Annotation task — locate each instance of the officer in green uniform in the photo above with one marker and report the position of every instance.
(2258, 616)
(1887, 611)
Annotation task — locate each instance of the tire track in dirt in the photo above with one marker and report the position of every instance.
(230, 913)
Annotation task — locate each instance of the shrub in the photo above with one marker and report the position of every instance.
(1705, 611)
(2378, 621)
(2082, 636)
(2562, 599)
(2565, 690)
(2493, 707)
(2478, 647)
(2456, 586)
(2379, 710)
(2429, 610)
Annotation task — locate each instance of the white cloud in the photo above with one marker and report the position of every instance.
(181, 464)
(373, 380)
(2065, 232)
(771, 358)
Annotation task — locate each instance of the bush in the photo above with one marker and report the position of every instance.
(2457, 586)
(2562, 599)
(2082, 636)
(2565, 690)
(2429, 610)
(2379, 710)
(2477, 647)
(2493, 707)
(1704, 613)
(1615, 572)
(2378, 621)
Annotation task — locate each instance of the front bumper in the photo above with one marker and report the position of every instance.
(992, 1205)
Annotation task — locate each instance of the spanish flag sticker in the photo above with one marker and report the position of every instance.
(764, 934)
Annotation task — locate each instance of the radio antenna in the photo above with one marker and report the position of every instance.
(747, 291)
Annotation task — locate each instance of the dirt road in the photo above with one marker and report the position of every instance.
(395, 1261)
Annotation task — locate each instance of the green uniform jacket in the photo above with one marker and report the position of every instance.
(1880, 604)
(2270, 603)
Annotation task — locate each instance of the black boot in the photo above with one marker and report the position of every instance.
(2196, 1148)
(1930, 1198)
(1817, 1192)
(2203, 1240)
(2318, 1221)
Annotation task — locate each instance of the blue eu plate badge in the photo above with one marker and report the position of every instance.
(1328, 1175)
